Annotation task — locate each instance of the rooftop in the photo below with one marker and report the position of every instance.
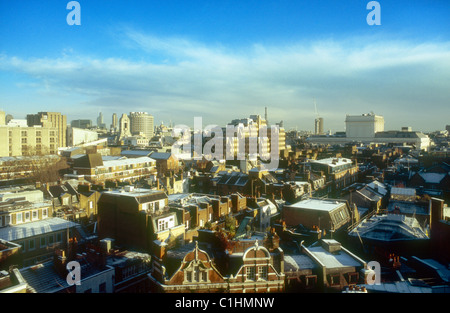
(297, 262)
(337, 259)
(389, 227)
(18, 232)
(318, 204)
(333, 162)
(124, 162)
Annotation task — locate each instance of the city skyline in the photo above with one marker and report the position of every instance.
(178, 60)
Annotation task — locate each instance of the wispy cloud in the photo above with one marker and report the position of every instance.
(194, 79)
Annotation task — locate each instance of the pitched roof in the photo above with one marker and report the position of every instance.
(89, 161)
(161, 155)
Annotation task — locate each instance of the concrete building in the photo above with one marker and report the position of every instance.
(363, 126)
(32, 226)
(327, 214)
(78, 136)
(95, 170)
(142, 122)
(318, 126)
(114, 123)
(369, 128)
(23, 141)
(51, 120)
(341, 172)
(100, 123)
(136, 217)
(339, 267)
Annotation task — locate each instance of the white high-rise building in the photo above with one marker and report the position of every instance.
(363, 126)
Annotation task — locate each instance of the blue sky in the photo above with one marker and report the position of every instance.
(229, 59)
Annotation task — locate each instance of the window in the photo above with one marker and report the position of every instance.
(24, 140)
(44, 213)
(38, 140)
(51, 239)
(353, 278)
(38, 133)
(31, 244)
(310, 281)
(196, 274)
(102, 288)
(24, 133)
(334, 280)
(43, 242)
(5, 220)
(262, 272)
(34, 215)
(58, 237)
(19, 218)
(250, 273)
(27, 216)
(189, 276)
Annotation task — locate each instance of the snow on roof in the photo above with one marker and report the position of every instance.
(317, 204)
(333, 161)
(432, 178)
(403, 191)
(330, 260)
(123, 162)
(298, 261)
(48, 225)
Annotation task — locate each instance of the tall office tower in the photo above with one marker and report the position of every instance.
(100, 123)
(142, 122)
(318, 126)
(114, 123)
(363, 126)
(124, 127)
(51, 120)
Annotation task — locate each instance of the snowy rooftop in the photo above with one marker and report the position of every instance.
(317, 204)
(17, 232)
(333, 162)
(296, 262)
(123, 162)
(433, 178)
(334, 260)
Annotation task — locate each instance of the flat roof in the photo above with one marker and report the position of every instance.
(330, 260)
(122, 162)
(135, 192)
(333, 162)
(297, 262)
(31, 229)
(317, 204)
